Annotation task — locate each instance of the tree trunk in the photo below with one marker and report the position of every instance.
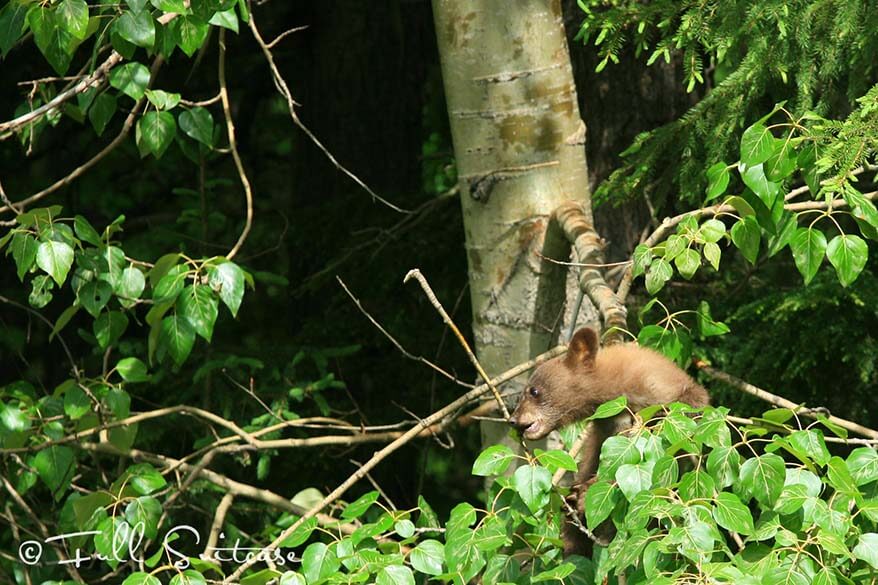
(519, 146)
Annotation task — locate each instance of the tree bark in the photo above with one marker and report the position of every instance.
(519, 143)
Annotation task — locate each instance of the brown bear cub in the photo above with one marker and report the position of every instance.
(569, 388)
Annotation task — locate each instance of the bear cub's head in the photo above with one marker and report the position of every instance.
(554, 396)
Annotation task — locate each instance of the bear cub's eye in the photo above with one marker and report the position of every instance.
(534, 392)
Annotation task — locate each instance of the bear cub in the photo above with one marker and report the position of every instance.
(569, 388)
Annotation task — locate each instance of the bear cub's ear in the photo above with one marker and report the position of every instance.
(583, 348)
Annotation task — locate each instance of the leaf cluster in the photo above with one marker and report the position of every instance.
(816, 55)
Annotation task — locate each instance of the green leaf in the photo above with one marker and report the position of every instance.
(192, 577)
(615, 452)
(130, 286)
(557, 459)
(757, 144)
(144, 511)
(52, 37)
(792, 498)
(746, 236)
(494, 460)
(395, 575)
(723, 464)
(610, 409)
(782, 162)
(404, 528)
(63, 320)
(839, 477)
(741, 206)
(198, 304)
(131, 79)
(712, 230)
(94, 296)
(109, 327)
(688, 262)
(862, 207)
(641, 258)
(848, 254)
(55, 466)
(732, 515)
(428, 557)
(533, 484)
(657, 275)
(867, 549)
(556, 573)
(76, 402)
(717, 179)
(786, 229)
(169, 286)
(318, 562)
(24, 252)
(767, 191)
(144, 478)
(55, 258)
(73, 15)
(197, 123)
(85, 231)
(136, 28)
(863, 465)
(136, 5)
(12, 19)
(696, 485)
(175, 6)
(301, 534)
(674, 246)
(138, 577)
(707, 326)
(190, 33)
(132, 370)
(41, 294)
(101, 112)
(162, 99)
(177, 336)
(155, 133)
(633, 479)
(811, 443)
(226, 19)
(600, 500)
(13, 418)
(359, 506)
(809, 247)
(227, 279)
(763, 477)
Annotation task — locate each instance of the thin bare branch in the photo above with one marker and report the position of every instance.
(780, 401)
(284, 34)
(431, 296)
(233, 145)
(396, 343)
(284, 91)
(219, 517)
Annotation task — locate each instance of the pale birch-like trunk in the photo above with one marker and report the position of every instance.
(519, 146)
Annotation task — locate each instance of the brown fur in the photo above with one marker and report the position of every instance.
(569, 388)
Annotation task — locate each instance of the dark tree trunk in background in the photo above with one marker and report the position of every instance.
(617, 104)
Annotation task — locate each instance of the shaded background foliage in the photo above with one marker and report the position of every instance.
(367, 77)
